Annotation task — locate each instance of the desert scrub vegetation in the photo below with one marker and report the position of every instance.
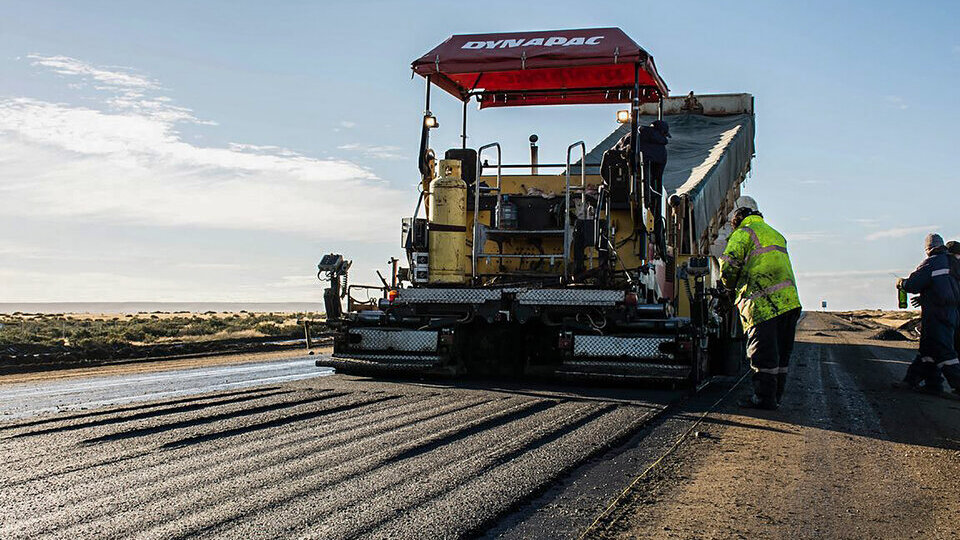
(82, 331)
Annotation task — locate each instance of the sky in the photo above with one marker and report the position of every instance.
(214, 151)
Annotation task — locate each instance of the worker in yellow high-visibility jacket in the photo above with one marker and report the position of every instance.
(756, 268)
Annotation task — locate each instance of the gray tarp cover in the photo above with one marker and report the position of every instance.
(706, 156)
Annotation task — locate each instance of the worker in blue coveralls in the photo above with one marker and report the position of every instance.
(953, 249)
(939, 294)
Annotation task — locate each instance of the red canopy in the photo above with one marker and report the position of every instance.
(593, 65)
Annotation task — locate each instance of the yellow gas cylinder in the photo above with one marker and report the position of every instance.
(448, 225)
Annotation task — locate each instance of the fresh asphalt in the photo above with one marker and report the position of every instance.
(283, 449)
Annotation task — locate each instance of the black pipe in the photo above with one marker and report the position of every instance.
(652, 310)
(534, 154)
(427, 110)
(423, 160)
(463, 135)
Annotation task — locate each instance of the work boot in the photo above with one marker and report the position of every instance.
(934, 389)
(754, 402)
(906, 385)
(912, 380)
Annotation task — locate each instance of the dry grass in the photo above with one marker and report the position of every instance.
(91, 330)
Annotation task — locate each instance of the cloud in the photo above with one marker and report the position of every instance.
(34, 286)
(212, 266)
(374, 151)
(896, 101)
(344, 124)
(125, 162)
(806, 236)
(20, 250)
(900, 232)
(262, 149)
(116, 77)
(297, 282)
(849, 273)
(129, 91)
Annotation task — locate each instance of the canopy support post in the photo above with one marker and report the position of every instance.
(426, 109)
(422, 159)
(639, 182)
(463, 135)
(634, 119)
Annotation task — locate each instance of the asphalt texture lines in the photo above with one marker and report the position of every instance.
(331, 457)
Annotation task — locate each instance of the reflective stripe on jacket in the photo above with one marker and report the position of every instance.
(936, 284)
(756, 266)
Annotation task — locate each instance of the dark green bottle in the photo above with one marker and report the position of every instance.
(902, 294)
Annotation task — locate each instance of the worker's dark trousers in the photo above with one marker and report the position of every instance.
(654, 171)
(956, 341)
(769, 345)
(938, 353)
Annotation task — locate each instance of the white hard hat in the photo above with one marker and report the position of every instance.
(744, 201)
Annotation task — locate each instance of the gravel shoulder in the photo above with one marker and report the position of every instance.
(846, 456)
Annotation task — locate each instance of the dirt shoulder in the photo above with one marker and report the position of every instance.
(846, 456)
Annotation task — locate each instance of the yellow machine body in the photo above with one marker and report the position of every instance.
(681, 287)
(491, 267)
(683, 299)
(448, 225)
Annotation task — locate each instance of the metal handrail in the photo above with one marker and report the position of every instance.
(544, 165)
(477, 252)
(566, 198)
(476, 202)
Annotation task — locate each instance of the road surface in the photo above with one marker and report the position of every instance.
(274, 449)
(846, 456)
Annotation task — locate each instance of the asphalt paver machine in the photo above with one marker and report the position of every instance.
(590, 267)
